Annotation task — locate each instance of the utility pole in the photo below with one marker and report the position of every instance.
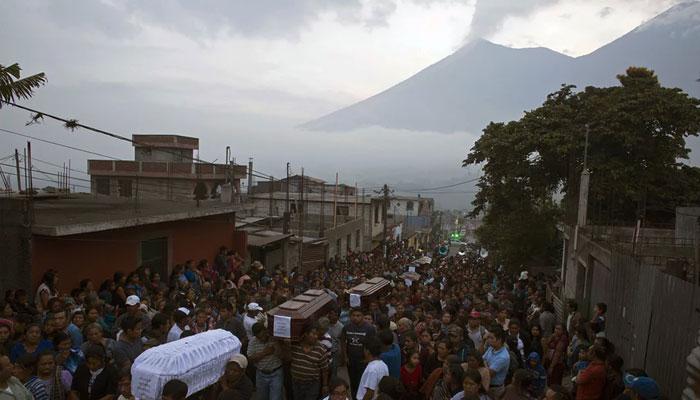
(30, 186)
(335, 202)
(286, 207)
(300, 212)
(228, 164)
(384, 208)
(272, 189)
(26, 181)
(250, 176)
(345, 190)
(355, 199)
(369, 224)
(286, 221)
(19, 177)
(322, 228)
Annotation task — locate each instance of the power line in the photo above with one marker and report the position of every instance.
(439, 187)
(72, 124)
(59, 166)
(58, 144)
(80, 150)
(44, 180)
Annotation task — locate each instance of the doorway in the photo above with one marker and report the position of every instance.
(154, 254)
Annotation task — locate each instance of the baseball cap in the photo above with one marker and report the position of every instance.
(474, 314)
(254, 307)
(644, 386)
(133, 300)
(239, 359)
(184, 310)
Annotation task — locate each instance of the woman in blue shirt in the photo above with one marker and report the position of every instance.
(32, 343)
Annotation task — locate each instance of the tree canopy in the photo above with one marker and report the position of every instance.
(13, 88)
(532, 167)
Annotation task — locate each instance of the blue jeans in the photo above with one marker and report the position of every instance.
(306, 390)
(269, 386)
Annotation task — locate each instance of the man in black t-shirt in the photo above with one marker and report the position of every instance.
(94, 380)
(352, 341)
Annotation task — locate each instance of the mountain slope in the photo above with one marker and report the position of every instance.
(485, 82)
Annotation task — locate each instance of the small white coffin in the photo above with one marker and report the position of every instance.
(198, 360)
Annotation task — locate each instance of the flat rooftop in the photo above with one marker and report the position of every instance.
(85, 213)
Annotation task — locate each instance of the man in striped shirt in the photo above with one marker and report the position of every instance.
(309, 367)
(25, 371)
(262, 352)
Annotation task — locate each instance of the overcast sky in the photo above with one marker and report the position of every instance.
(245, 73)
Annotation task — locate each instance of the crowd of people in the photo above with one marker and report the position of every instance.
(454, 327)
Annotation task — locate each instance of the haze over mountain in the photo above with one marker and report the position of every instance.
(484, 81)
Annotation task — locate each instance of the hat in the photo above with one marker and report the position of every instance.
(184, 310)
(239, 359)
(474, 314)
(534, 356)
(523, 276)
(644, 386)
(229, 285)
(254, 307)
(133, 300)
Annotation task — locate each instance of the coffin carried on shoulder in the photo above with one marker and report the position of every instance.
(197, 360)
(289, 319)
(369, 291)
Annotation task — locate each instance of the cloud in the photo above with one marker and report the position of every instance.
(605, 11)
(489, 15)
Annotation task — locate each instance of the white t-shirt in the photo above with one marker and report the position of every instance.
(374, 372)
(477, 335)
(174, 333)
(248, 323)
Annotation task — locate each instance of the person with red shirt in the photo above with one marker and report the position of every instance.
(590, 382)
(412, 375)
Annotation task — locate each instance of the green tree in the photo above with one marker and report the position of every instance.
(13, 88)
(532, 166)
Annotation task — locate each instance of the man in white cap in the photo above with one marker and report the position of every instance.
(235, 384)
(181, 320)
(133, 308)
(252, 311)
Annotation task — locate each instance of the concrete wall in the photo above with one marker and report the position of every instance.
(98, 255)
(169, 155)
(156, 188)
(407, 206)
(15, 244)
(365, 211)
(341, 233)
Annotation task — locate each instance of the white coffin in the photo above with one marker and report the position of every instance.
(198, 360)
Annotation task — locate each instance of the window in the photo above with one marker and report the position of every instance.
(102, 186)
(376, 213)
(357, 239)
(292, 208)
(409, 206)
(125, 187)
(342, 210)
(339, 247)
(348, 242)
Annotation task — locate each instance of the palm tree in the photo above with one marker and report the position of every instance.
(13, 88)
